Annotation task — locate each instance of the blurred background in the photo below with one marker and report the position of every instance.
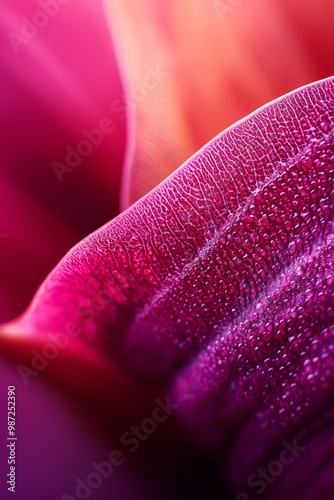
(58, 77)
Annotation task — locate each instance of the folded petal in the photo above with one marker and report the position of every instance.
(218, 285)
(194, 68)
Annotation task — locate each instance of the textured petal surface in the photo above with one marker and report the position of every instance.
(220, 284)
(230, 56)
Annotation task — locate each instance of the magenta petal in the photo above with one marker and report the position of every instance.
(226, 273)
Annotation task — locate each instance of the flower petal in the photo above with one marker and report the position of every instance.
(213, 62)
(220, 282)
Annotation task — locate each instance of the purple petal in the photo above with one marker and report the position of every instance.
(220, 282)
